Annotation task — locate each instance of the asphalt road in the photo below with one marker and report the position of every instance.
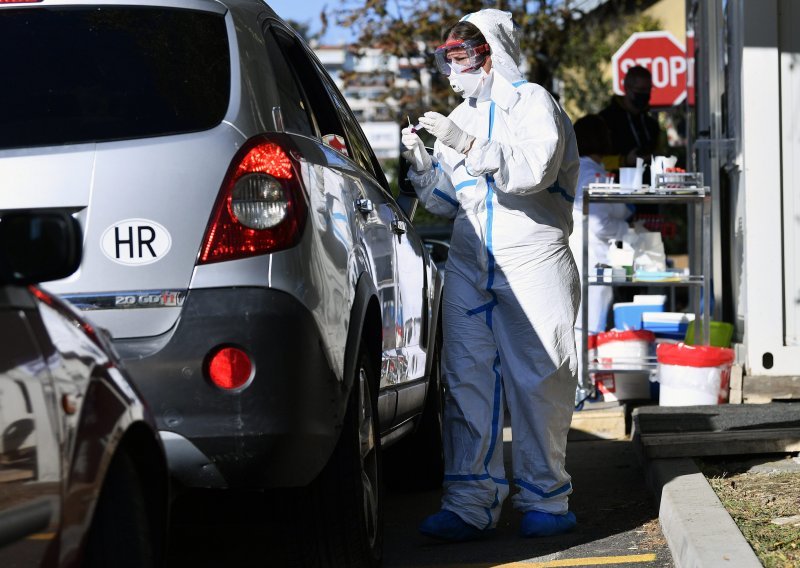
(617, 524)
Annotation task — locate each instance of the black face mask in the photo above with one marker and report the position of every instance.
(640, 101)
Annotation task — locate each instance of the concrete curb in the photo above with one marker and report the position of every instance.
(699, 531)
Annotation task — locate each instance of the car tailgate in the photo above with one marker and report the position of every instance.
(144, 206)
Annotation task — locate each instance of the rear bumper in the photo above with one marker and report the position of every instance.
(280, 430)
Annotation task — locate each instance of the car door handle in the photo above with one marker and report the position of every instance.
(398, 226)
(364, 205)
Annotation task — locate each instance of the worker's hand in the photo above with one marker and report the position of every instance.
(447, 132)
(415, 151)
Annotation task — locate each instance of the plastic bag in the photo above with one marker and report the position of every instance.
(648, 250)
(639, 248)
(620, 253)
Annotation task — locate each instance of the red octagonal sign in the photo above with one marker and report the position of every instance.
(661, 53)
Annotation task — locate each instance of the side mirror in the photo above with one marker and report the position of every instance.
(37, 247)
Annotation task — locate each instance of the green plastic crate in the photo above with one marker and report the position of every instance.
(720, 331)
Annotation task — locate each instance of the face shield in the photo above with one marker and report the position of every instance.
(460, 56)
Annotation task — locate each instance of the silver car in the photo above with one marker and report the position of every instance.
(83, 476)
(270, 298)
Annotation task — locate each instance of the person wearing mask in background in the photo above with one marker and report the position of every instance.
(607, 221)
(634, 131)
(504, 165)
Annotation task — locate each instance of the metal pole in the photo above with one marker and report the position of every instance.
(711, 50)
(584, 385)
(706, 209)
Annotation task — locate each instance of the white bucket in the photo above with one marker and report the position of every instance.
(691, 375)
(623, 386)
(627, 349)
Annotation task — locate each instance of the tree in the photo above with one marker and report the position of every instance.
(584, 67)
(302, 28)
(564, 49)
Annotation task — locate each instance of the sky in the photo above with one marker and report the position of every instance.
(307, 11)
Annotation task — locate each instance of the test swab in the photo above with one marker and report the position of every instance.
(416, 128)
(418, 157)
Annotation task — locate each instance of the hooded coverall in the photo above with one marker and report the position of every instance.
(511, 289)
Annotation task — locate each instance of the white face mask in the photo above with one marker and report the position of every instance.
(467, 84)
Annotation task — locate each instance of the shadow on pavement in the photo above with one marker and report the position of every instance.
(616, 516)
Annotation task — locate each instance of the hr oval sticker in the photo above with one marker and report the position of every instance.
(136, 242)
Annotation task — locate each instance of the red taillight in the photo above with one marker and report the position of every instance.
(261, 207)
(230, 368)
(266, 158)
(19, 1)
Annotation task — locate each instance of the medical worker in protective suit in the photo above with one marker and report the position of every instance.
(607, 221)
(505, 165)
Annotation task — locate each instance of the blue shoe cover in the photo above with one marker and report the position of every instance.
(446, 525)
(538, 523)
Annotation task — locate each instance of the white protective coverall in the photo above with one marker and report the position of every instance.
(511, 289)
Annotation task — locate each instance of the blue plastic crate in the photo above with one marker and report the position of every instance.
(675, 329)
(628, 315)
(668, 332)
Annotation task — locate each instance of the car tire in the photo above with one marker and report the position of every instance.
(120, 534)
(417, 462)
(343, 512)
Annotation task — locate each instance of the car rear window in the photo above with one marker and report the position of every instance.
(78, 74)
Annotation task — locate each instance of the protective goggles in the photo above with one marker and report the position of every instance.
(460, 56)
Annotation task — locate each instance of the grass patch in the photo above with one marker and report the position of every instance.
(765, 506)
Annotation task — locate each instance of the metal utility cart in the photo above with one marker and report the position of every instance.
(698, 202)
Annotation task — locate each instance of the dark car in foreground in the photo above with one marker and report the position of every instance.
(83, 476)
(271, 300)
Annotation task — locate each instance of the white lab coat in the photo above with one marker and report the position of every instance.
(511, 296)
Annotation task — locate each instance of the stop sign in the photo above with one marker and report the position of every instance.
(663, 56)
